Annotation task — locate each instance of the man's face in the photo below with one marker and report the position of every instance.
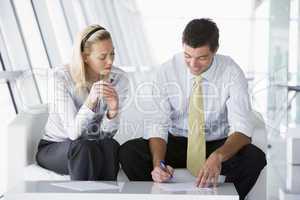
(198, 59)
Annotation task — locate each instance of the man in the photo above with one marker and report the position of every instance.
(205, 118)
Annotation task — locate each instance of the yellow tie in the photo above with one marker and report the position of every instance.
(196, 135)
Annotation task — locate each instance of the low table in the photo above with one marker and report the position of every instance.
(45, 190)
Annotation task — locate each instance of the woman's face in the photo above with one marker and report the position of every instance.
(101, 57)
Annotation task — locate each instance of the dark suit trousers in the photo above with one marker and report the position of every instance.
(82, 159)
(242, 169)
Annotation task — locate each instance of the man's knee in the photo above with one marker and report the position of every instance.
(127, 151)
(254, 156)
(133, 150)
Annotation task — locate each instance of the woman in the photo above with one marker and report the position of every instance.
(84, 107)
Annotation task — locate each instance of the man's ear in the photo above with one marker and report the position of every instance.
(216, 50)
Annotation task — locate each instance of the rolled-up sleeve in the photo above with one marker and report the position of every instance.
(110, 125)
(161, 123)
(239, 105)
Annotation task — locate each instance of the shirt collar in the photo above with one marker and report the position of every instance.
(207, 74)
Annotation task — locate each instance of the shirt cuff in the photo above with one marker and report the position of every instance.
(86, 113)
(110, 125)
(244, 129)
(156, 131)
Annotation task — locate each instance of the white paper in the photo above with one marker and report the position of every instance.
(187, 186)
(187, 177)
(88, 185)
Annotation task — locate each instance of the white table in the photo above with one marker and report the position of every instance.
(44, 190)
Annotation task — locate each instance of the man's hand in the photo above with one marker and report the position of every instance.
(209, 173)
(158, 148)
(159, 175)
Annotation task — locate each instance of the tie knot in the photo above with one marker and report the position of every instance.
(197, 79)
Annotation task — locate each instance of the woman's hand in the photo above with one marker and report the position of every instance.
(112, 100)
(102, 89)
(93, 96)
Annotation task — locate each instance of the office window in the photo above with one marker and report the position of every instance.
(294, 63)
(31, 34)
(19, 54)
(61, 30)
(165, 21)
(259, 58)
(34, 42)
(47, 32)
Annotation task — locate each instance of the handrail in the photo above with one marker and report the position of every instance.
(10, 75)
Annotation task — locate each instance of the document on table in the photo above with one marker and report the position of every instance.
(186, 186)
(89, 185)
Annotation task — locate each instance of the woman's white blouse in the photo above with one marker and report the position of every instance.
(70, 118)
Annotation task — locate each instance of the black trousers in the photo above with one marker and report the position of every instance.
(82, 159)
(242, 169)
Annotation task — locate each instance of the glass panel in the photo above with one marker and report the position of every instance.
(31, 34)
(259, 58)
(60, 28)
(280, 60)
(34, 43)
(278, 65)
(294, 64)
(17, 54)
(164, 29)
(47, 32)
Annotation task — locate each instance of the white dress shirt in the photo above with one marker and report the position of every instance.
(227, 107)
(70, 118)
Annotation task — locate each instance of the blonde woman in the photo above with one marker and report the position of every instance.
(85, 100)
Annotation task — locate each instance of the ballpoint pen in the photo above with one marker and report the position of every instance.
(163, 166)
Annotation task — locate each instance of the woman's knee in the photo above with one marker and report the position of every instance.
(110, 142)
(82, 146)
(39, 158)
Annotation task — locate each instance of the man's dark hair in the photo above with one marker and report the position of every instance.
(200, 32)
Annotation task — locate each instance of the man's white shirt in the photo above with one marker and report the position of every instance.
(227, 107)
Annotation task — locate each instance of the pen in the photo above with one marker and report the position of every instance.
(163, 166)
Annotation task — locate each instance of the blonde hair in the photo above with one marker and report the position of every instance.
(82, 45)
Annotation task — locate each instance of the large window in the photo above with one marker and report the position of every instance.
(244, 34)
(294, 63)
(165, 21)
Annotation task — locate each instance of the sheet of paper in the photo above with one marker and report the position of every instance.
(89, 185)
(187, 186)
(181, 178)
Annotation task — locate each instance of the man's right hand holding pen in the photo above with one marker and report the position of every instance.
(162, 172)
